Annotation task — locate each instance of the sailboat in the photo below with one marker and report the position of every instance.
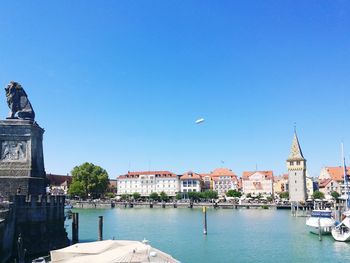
(341, 232)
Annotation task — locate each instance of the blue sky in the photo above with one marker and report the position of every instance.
(120, 83)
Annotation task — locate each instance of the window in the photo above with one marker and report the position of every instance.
(298, 162)
(291, 163)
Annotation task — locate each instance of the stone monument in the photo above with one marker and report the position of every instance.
(32, 216)
(21, 152)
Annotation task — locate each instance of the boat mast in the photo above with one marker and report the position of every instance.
(346, 186)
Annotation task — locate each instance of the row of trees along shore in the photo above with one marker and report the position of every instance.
(91, 181)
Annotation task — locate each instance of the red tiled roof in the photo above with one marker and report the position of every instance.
(156, 173)
(337, 173)
(222, 171)
(323, 183)
(58, 180)
(280, 177)
(247, 174)
(190, 175)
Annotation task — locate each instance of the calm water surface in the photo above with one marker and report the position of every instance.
(246, 235)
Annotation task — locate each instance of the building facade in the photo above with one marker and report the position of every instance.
(223, 180)
(190, 182)
(331, 179)
(257, 182)
(207, 182)
(296, 164)
(280, 184)
(148, 182)
(58, 184)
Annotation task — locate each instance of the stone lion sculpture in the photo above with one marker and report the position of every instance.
(18, 102)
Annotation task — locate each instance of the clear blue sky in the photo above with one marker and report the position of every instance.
(120, 83)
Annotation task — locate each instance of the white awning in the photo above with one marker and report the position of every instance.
(110, 251)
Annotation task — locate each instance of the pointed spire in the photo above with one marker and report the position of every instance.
(295, 152)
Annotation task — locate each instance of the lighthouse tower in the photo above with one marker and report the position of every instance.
(296, 164)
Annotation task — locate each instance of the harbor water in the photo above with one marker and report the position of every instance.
(234, 235)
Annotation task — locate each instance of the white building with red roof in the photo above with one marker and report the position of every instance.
(257, 182)
(224, 179)
(331, 179)
(190, 182)
(148, 182)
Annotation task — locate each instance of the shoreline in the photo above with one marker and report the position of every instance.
(175, 205)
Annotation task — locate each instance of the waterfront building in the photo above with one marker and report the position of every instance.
(207, 182)
(311, 185)
(148, 182)
(190, 182)
(280, 184)
(224, 179)
(257, 182)
(113, 186)
(334, 173)
(331, 179)
(296, 164)
(58, 184)
(327, 186)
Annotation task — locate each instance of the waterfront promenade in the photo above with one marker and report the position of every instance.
(222, 205)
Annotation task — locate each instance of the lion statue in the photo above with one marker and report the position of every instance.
(18, 102)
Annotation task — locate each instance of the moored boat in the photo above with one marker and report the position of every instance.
(341, 232)
(320, 221)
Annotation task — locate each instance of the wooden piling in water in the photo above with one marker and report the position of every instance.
(319, 230)
(100, 228)
(205, 229)
(75, 228)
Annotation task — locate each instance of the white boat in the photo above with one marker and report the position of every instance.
(341, 232)
(320, 221)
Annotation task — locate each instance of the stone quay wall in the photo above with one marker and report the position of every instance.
(40, 222)
(7, 229)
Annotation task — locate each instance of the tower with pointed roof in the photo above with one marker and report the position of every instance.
(296, 164)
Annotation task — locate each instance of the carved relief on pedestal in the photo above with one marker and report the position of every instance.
(13, 150)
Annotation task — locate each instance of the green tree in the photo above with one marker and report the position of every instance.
(154, 196)
(335, 195)
(269, 199)
(210, 194)
(194, 196)
(124, 197)
(136, 196)
(233, 193)
(92, 178)
(318, 195)
(178, 196)
(163, 196)
(110, 195)
(76, 188)
(284, 195)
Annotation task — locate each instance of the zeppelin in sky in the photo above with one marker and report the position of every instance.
(199, 121)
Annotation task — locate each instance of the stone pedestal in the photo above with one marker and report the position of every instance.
(21, 158)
